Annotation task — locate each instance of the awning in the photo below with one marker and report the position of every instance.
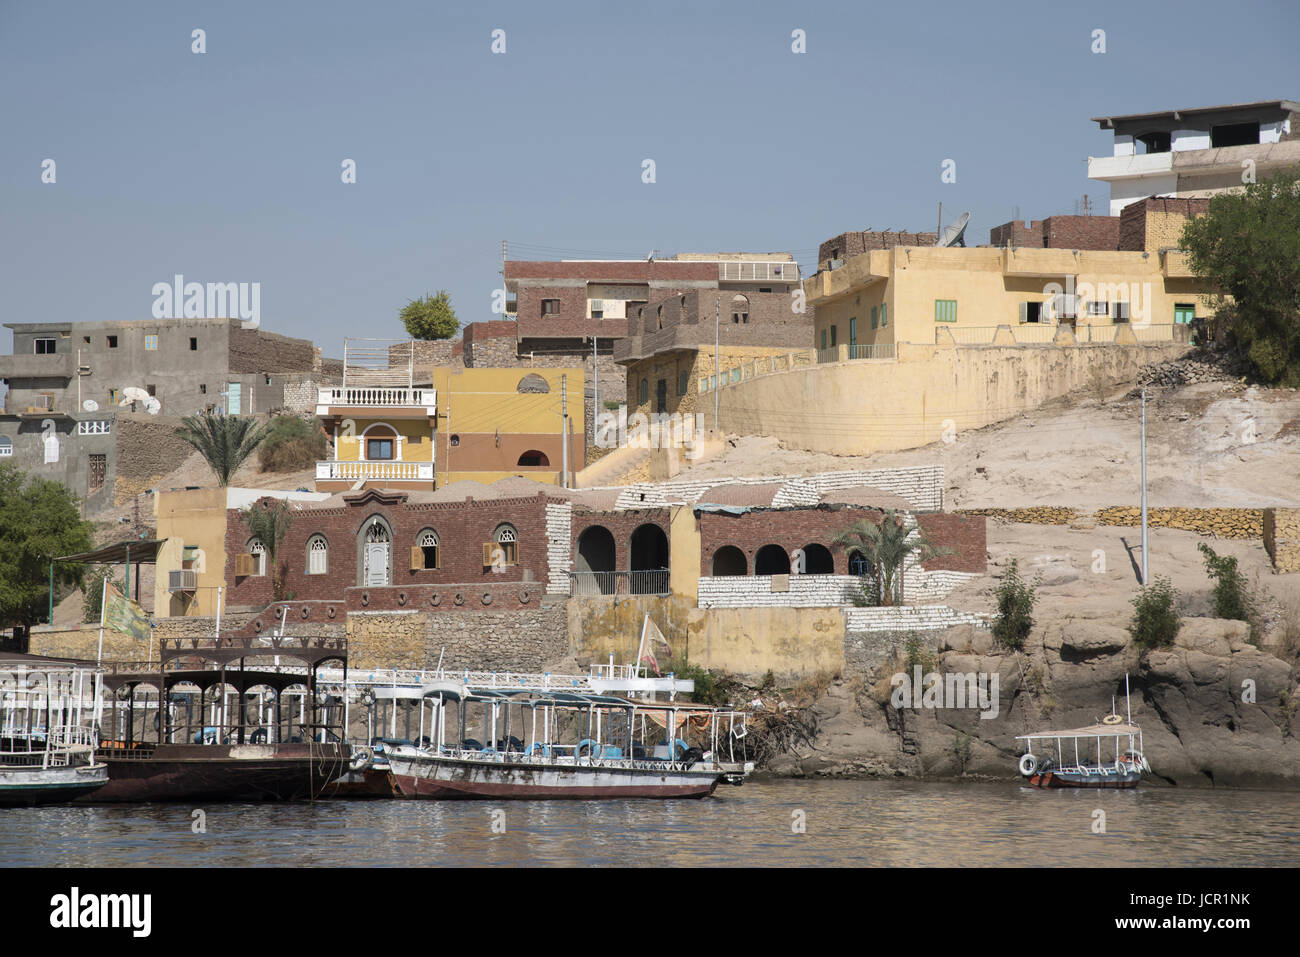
(143, 551)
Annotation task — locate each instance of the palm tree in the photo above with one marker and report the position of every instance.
(268, 521)
(224, 441)
(887, 547)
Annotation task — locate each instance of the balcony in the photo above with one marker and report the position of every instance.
(374, 471)
(51, 366)
(596, 584)
(758, 271)
(330, 401)
(182, 579)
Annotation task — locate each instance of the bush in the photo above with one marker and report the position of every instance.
(1016, 598)
(1155, 621)
(291, 444)
(916, 653)
(708, 689)
(1233, 598)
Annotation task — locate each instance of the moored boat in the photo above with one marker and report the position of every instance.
(1107, 754)
(47, 736)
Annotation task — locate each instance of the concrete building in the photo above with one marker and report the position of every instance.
(1196, 152)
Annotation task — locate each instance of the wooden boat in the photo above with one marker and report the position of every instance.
(47, 737)
(1107, 754)
(216, 736)
(605, 759)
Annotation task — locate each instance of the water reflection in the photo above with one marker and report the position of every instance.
(853, 823)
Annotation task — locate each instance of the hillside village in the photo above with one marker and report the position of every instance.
(694, 437)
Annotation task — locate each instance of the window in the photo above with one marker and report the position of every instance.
(832, 337)
(98, 468)
(659, 317)
(533, 459)
(379, 449)
(598, 313)
(455, 440)
(152, 389)
(550, 307)
(424, 554)
(853, 331)
(1234, 134)
(94, 427)
(151, 343)
(44, 347)
(203, 388)
(112, 342)
(258, 551)
(739, 309)
(683, 381)
(945, 310)
(194, 344)
(884, 314)
(318, 555)
(1120, 310)
(764, 288)
(504, 547)
(6, 447)
(1184, 312)
(1031, 312)
(643, 392)
(112, 397)
(1098, 308)
(85, 340)
(875, 317)
(823, 338)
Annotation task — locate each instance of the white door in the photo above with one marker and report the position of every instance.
(376, 564)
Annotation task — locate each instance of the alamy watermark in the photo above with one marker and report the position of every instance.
(214, 300)
(658, 430)
(1123, 300)
(951, 690)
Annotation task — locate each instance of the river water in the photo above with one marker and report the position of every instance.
(764, 823)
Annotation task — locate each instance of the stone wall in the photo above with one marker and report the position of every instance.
(524, 640)
(1219, 522)
(848, 245)
(1156, 223)
(258, 351)
(1281, 530)
(147, 451)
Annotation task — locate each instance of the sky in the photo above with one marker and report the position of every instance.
(226, 166)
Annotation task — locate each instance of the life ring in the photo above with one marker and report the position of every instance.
(459, 599)
(487, 598)
(545, 749)
(365, 598)
(435, 599)
(587, 748)
(305, 613)
(1028, 764)
(329, 611)
(1112, 719)
(257, 626)
(524, 597)
(401, 598)
(361, 758)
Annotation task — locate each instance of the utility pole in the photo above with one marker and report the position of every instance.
(717, 362)
(564, 431)
(595, 386)
(1144, 488)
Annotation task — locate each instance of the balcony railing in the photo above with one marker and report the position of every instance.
(182, 579)
(596, 584)
(378, 471)
(377, 396)
(758, 271)
(881, 350)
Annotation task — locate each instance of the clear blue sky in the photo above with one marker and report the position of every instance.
(225, 166)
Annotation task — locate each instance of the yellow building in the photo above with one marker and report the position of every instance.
(914, 293)
(393, 427)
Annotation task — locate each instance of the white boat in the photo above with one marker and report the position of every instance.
(48, 720)
(1107, 754)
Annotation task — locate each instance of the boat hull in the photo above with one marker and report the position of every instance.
(24, 787)
(197, 772)
(370, 783)
(448, 778)
(1084, 779)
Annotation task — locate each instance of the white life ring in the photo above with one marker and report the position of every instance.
(1111, 719)
(1028, 764)
(361, 758)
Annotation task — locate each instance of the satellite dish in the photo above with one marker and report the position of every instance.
(90, 405)
(152, 405)
(134, 393)
(955, 234)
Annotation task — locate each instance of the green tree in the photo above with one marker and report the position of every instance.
(224, 441)
(430, 317)
(1233, 597)
(888, 547)
(291, 443)
(1016, 598)
(268, 521)
(39, 520)
(1248, 247)
(1155, 622)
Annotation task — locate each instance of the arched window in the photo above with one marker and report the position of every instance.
(815, 559)
(533, 459)
(660, 319)
(859, 565)
(503, 550)
(772, 560)
(258, 551)
(739, 309)
(643, 392)
(377, 532)
(533, 383)
(382, 444)
(424, 556)
(729, 560)
(318, 555)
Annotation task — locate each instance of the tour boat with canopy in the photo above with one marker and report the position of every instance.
(1107, 754)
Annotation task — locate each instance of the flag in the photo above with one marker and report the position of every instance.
(653, 634)
(123, 615)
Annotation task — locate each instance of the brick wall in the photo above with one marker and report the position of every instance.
(435, 352)
(1081, 232)
(847, 245)
(490, 344)
(1018, 234)
(1151, 224)
(621, 525)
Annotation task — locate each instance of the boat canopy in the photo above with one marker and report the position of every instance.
(1092, 731)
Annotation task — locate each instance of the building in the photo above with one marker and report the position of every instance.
(1088, 273)
(1197, 152)
(395, 426)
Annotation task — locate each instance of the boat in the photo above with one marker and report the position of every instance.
(47, 735)
(554, 744)
(1107, 754)
(221, 724)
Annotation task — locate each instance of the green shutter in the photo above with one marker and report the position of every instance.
(884, 314)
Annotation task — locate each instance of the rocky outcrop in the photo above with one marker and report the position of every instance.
(1214, 709)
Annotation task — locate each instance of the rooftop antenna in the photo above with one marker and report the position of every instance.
(955, 234)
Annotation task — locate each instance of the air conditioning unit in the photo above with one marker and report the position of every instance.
(182, 579)
(597, 305)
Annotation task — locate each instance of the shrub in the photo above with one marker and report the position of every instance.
(708, 690)
(1155, 621)
(916, 653)
(1233, 598)
(291, 444)
(1016, 598)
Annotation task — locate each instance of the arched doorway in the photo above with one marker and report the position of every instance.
(817, 560)
(771, 560)
(729, 561)
(594, 562)
(649, 554)
(376, 546)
